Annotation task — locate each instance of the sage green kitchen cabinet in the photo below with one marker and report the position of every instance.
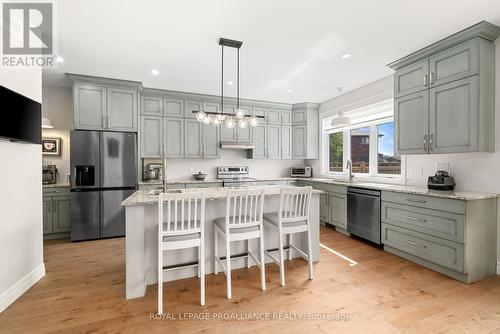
(89, 107)
(286, 142)
(338, 210)
(201, 141)
(56, 212)
(454, 117)
(411, 120)
(151, 136)
(444, 95)
(273, 141)
(324, 208)
(273, 115)
(286, 117)
(173, 137)
(122, 109)
(305, 131)
(151, 105)
(191, 106)
(211, 142)
(173, 108)
(260, 140)
(237, 134)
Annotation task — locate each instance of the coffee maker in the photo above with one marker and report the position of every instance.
(49, 174)
(154, 171)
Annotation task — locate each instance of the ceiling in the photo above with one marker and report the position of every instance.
(292, 50)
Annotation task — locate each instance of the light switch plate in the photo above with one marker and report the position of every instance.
(416, 171)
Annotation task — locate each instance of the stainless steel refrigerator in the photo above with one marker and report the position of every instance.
(103, 173)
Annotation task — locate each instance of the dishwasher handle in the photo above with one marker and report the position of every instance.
(363, 191)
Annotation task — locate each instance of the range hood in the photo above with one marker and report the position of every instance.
(237, 146)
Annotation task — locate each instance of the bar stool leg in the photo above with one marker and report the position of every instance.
(290, 247)
(228, 267)
(201, 265)
(248, 256)
(160, 282)
(282, 259)
(309, 254)
(262, 263)
(216, 250)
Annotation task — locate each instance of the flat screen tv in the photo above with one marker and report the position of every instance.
(21, 117)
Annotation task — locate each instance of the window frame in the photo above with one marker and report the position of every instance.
(373, 160)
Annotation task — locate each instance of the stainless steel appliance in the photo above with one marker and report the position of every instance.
(235, 176)
(302, 171)
(103, 173)
(363, 213)
(441, 181)
(154, 171)
(49, 174)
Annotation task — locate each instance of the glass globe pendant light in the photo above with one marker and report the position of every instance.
(200, 116)
(242, 123)
(254, 121)
(207, 120)
(216, 121)
(230, 123)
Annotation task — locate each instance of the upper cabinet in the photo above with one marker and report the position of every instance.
(105, 104)
(305, 131)
(444, 95)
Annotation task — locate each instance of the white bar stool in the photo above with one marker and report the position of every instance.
(243, 221)
(293, 217)
(183, 226)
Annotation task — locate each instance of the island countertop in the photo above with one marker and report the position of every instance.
(151, 197)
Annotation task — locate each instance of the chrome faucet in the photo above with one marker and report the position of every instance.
(349, 170)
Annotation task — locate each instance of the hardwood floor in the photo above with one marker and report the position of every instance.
(83, 292)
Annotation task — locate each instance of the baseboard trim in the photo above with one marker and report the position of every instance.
(15, 291)
(498, 268)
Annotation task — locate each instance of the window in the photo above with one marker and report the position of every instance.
(336, 160)
(370, 147)
(360, 150)
(387, 162)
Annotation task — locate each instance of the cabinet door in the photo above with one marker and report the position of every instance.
(193, 139)
(286, 142)
(299, 141)
(455, 63)
(173, 137)
(244, 135)
(260, 134)
(151, 105)
(173, 107)
(338, 210)
(259, 111)
(324, 208)
(286, 117)
(89, 107)
(211, 142)
(151, 136)
(411, 115)
(411, 79)
(454, 117)
(60, 222)
(273, 116)
(192, 106)
(47, 214)
(122, 109)
(273, 141)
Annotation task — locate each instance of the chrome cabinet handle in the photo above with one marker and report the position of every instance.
(425, 80)
(425, 143)
(103, 121)
(431, 145)
(49, 209)
(432, 78)
(417, 219)
(417, 244)
(416, 200)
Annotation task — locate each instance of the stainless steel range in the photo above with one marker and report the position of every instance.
(235, 176)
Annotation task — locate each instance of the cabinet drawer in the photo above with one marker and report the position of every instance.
(204, 185)
(440, 224)
(428, 202)
(443, 252)
(56, 191)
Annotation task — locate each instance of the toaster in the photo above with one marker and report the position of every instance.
(302, 171)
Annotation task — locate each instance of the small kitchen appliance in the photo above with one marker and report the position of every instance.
(154, 171)
(441, 181)
(302, 171)
(49, 174)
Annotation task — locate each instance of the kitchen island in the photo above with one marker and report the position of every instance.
(141, 219)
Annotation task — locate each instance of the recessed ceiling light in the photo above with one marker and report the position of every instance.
(289, 91)
(347, 55)
(230, 83)
(155, 72)
(59, 59)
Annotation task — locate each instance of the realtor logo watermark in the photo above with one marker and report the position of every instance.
(28, 34)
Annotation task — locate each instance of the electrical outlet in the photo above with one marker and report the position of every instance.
(417, 171)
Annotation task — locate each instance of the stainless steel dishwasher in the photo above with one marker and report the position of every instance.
(363, 213)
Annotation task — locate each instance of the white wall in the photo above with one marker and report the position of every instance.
(58, 106)
(21, 244)
(472, 171)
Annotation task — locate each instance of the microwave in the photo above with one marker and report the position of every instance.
(304, 171)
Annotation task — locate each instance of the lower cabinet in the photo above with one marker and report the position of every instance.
(333, 203)
(338, 210)
(56, 212)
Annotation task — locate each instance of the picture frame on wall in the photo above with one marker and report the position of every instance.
(51, 146)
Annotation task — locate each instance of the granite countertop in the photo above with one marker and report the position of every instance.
(56, 185)
(179, 181)
(151, 197)
(460, 195)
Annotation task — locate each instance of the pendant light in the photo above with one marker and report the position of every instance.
(230, 120)
(341, 120)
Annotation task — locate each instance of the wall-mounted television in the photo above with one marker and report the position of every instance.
(21, 117)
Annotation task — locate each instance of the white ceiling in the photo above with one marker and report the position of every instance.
(287, 44)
